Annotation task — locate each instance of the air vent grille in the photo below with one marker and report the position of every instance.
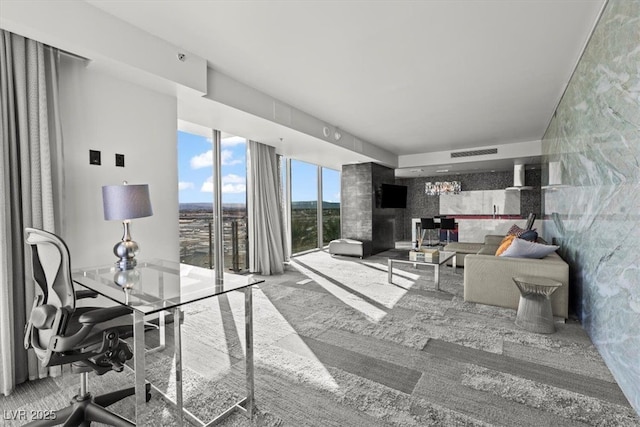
(474, 153)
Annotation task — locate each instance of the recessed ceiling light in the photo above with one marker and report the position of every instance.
(443, 170)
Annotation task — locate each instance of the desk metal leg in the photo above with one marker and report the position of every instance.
(389, 271)
(437, 275)
(177, 337)
(249, 369)
(139, 366)
(247, 404)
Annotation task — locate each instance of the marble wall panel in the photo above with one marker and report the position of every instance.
(595, 217)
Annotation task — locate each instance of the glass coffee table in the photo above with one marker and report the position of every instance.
(443, 257)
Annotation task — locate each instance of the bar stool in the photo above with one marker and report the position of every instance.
(429, 224)
(448, 224)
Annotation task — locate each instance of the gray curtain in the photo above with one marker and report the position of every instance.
(30, 135)
(267, 236)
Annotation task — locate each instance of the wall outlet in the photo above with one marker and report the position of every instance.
(120, 160)
(94, 157)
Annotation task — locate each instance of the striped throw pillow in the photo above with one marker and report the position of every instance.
(515, 231)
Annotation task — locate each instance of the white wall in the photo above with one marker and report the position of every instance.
(101, 112)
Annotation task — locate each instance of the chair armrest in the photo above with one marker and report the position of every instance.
(86, 294)
(101, 315)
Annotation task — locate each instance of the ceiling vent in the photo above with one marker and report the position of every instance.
(474, 153)
(518, 179)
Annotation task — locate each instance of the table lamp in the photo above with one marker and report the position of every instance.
(124, 203)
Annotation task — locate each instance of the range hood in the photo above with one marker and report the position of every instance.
(518, 179)
(555, 176)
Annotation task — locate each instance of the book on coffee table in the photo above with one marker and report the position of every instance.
(424, 255)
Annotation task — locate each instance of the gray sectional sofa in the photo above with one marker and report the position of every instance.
(488, 279)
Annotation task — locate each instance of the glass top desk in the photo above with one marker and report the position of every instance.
(158, 286)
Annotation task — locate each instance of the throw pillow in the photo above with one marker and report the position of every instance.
(515, 231)
(523, 249)
(506, 242)
(530, 235)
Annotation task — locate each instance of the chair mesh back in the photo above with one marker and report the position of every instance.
(52, 274)
(51, 268)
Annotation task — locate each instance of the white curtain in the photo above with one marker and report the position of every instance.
(267, 238)
(29, 196)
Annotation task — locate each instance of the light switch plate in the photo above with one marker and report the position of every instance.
(94, 157)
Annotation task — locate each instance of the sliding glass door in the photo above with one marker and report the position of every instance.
(314, 204)
(330, 205)
(304, 206)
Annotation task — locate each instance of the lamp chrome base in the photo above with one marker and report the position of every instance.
(126, 264)
(126, 251)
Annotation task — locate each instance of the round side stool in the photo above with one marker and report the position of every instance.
(534, 308)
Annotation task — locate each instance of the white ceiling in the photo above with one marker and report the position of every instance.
(409, 76)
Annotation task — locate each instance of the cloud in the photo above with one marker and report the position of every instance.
(232, 140)
(202, 160)
(207, 186)
(230, 184)
(233, 179)
(233, 188)
(226, 156)
(206, 159)
(182, 185)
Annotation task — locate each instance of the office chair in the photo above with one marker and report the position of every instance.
(90, 338)
(448, 224)
(429, 224)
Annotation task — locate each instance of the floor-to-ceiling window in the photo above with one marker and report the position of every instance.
(314, 203)
(195, 162)
(330, 205)
(195, 175)
(304, 206)
(234, 202)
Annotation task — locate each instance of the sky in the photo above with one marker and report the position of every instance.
(195, 173)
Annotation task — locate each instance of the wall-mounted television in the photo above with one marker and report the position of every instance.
(393, 196)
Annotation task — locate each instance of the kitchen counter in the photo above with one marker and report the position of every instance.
(473, 228)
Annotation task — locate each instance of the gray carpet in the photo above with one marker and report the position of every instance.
(336, 345)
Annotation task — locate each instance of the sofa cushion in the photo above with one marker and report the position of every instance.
(520, 248)
(488, 250)
(493, 240)
(463, 247)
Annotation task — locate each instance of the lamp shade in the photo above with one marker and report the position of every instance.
(123, 202)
